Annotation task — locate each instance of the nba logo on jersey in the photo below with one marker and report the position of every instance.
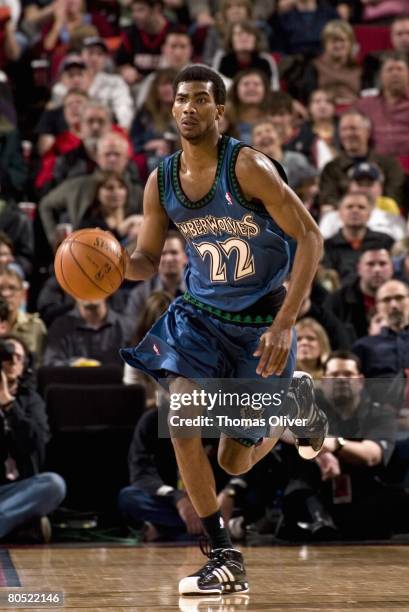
(229, 198)
(155, 348)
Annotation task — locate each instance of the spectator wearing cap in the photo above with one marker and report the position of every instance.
(139, 53)
(110, 89)
(265, 138)
(73, 76)
(354, 302)
(367, 178)
(176, 53)
(341, 251)
(389, 110)
(355, 133)
(75, 195)
(399, 33)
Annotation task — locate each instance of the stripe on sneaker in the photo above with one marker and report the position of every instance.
(228, 572)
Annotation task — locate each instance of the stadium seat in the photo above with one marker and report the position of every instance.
(66, 375)
(372, 38)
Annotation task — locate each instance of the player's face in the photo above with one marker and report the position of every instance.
(195, 110)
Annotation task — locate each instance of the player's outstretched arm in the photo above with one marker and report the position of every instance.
(144, 261)
(259, 179)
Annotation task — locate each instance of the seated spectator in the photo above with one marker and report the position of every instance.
(73, 76)
(139, 53)
(73, 107)
(248, 100)
(387, 355)
(27, 326)
(335, 70)
(389, 110)
(399, 33)
(111, 207)
(90, 334)
(341, 251)
(313, 347)
(354, 302)
(283, 115)
(318, 138)
(298, 27)
(95, 122)
(153, 131)
(231, 12)
(243, 49)
(72, 23)
(7, 259)
(170, 277)
(109, 89)
(354, 134)
(367, 178)
(176, 53)
(26, 494)
(307, 188)
(265, 138)
(155, 306)
(74, 196)
(19, 229)
(338, 491)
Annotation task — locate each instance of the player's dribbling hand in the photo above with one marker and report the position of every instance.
(189, 516)
(273, 350)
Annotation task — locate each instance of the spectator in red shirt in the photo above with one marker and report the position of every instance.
(139, 53)
(389, 110)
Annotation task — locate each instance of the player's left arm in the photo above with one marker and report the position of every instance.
(259, 179)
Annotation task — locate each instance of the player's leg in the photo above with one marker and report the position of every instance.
(224, 572)
(236, 458)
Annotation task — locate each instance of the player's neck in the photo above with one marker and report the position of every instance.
(198, 155)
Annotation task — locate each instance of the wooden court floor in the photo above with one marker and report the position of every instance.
(364, 578)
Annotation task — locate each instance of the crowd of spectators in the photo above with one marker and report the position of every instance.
(85, 115)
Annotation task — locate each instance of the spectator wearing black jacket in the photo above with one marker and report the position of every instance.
(19, 229)
(353, 303)
(26, 494)
(343, 249)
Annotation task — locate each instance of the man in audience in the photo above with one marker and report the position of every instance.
(169, 278)
(176, 52)
(109, 89)
(389, 110)
(399, 33)
(88, 334)
(341, 252)
(354, 134)
(75, 195)
(26, 494)
(139, 53)
(355, 301)
(27, 326)
(18, 227)
(387, 355)
(345, 479)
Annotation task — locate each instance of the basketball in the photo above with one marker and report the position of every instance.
(89, 264)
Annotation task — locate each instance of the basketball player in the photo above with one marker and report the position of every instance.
(235, 320)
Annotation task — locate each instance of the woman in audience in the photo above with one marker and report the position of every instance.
(243, 49)
(111, 207)
(248, 101)
(153, 132)
(156, 304)
(313, 347)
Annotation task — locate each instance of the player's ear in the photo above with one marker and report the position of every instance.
(219, 111)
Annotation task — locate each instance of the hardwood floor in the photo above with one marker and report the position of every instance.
(364, 578)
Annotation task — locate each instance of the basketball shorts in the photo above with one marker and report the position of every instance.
(189, 342)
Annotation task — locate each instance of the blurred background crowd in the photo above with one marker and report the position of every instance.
(85, 115)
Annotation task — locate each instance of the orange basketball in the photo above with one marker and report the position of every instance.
(89, 264)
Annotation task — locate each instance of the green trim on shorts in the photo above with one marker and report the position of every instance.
(230, 317)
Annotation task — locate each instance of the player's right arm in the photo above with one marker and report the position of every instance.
(144, 261)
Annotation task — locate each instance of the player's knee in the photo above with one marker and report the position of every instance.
(233, 463)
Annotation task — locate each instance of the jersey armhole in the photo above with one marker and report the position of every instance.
(161, 182)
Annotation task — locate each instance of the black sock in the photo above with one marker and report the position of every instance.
(217, 532)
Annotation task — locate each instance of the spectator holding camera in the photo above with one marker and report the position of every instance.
(26, 494)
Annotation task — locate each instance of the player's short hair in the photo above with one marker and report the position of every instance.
(200, 72)
(347, 356)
